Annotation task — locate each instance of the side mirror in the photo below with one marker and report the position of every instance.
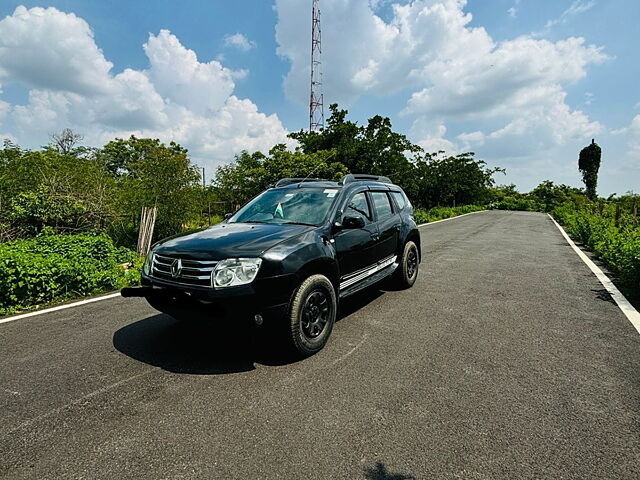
(352, 222)
(227, 216)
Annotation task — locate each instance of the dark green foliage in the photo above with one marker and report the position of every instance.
(544, 198)
(84, 189)
(374, 148)
(612, 233)
(428, 179)
(441, 180)
(249, 174)
(439, 213)
(45, 188)
(149, 173)
(56, 267)
(589, 164)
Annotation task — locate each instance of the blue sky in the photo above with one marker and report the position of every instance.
(525, 84)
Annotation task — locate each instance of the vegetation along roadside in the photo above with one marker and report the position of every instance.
(69, 214)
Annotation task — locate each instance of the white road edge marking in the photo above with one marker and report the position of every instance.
(450, 218)
(59, 307)
(629, 311)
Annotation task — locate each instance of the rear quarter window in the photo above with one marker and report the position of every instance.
(399, 199)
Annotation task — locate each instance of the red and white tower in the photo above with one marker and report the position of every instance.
(316, 103)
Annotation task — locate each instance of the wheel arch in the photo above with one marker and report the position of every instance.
(414, 236)
(323, 266)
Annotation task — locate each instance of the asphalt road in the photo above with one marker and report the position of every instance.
(506, 360)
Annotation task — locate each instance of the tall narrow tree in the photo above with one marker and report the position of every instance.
(589, 164)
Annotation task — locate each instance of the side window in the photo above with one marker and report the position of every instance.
(399, 198)
(358, 205)
(382, 204)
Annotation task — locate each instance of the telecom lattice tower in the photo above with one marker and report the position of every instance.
(316, 103)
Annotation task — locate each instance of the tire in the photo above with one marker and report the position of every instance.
(407, 272)
(311, 315)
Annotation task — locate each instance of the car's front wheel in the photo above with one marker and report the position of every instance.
(312, 314)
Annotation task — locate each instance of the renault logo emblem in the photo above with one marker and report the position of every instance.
(176, 268)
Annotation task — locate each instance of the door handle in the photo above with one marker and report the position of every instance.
(375, 236)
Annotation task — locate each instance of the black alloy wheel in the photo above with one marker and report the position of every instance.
(312, 313)
(315, 314)
(409, 266)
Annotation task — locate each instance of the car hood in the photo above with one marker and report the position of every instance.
(230, 240)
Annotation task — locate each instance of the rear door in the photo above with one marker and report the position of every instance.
(388, 222)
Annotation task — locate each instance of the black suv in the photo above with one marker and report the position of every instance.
(288, 256)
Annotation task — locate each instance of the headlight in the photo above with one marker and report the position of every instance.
(235, 271)
(148, 263)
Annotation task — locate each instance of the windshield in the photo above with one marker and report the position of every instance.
(306, 206)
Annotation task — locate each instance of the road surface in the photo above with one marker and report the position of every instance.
(506, 360)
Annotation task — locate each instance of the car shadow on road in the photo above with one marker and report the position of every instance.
(214, 348)
(380, 472)
(195, 347)
(358, 300)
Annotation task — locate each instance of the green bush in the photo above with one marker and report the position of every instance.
(617, 243)
(521, 203)
(56, 267)
(440, 213)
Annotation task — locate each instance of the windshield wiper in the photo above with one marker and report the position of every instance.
(298, 223)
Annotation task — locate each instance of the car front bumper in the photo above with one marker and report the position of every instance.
(267, 297)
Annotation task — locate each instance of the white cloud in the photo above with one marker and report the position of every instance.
(512, 91)
(239, 41)
(432, 137)
(634, 140)
(178, 98)
(512, 12)
(576, 8)
(68, 61)
(180, 78)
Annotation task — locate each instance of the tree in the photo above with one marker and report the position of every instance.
(589, 164)
(374, 148)
(147, 173)
(47, 189)
(549, 195)
(250, 174)
(449, 181)
(65, 141)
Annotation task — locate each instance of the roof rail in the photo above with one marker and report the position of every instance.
(360, 177)
(290, 181)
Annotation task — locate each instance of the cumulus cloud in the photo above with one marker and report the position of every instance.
(514, 90)
(239, 41)
(72, 85)
(69, 60)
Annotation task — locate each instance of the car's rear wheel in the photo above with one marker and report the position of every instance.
(312, 314)
(407, 272)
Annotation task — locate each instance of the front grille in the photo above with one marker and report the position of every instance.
(193, 272)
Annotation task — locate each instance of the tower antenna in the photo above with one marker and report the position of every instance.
(316, 103)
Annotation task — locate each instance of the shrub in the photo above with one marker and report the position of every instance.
(617, 245)
(440, 213)
(57, 267)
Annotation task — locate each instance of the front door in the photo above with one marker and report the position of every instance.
(356, 248)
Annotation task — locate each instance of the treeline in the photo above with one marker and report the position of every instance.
(71, 189)
(67, 188)
(429, 179)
